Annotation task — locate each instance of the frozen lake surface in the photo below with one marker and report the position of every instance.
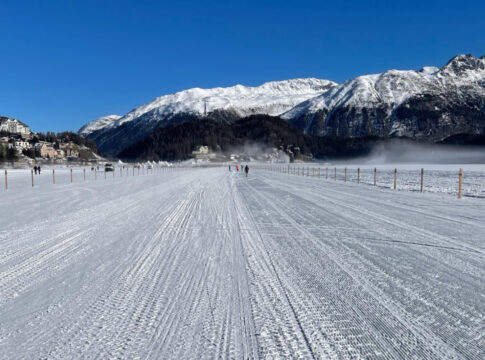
(206, 263)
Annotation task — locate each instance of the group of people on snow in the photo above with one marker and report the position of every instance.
(37, 169)
(245, 168)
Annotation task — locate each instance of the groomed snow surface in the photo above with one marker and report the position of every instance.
(206, 263)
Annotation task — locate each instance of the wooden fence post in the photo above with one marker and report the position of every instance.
(422, 179)
(105, 173)
(319, 173)
(84, 174)
(395, 178)
(298, 171)
(6, 180)
(32, 177)
(358, 175)
(460, 182)
(335, 174)
(345, 175)
(121, 172)
(71, 176)
(313, 172)
(95, 174)
(375, 176)
(53, 176)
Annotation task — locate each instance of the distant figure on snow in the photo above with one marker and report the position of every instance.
(35, 169)
(38, 169)
(237, 167)
(229, 167)
(246, 170)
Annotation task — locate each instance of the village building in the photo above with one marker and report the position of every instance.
(203, 153)
(46, 150)
(14, 126)
(70, 150)
(22, 144)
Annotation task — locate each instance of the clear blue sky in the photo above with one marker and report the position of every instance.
(64, 63)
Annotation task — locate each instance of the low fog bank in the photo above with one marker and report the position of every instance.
(398, 151)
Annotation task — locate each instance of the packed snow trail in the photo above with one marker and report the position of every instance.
(205, 263)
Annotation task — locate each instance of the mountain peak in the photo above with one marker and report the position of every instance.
(463, 63)
(100, 123)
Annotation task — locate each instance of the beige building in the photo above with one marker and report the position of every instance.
(70, 149)
(46, 150)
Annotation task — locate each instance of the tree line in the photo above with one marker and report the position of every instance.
(177, 141)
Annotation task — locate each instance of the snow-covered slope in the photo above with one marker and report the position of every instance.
(404, 103)
(102, 122)
(231, 103)
(272, 98)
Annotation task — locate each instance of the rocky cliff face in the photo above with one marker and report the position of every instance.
(429, 104)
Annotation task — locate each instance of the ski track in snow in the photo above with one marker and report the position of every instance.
(206, 263)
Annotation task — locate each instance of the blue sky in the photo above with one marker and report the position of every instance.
(64, 63)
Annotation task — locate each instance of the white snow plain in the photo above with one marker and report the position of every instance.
(206, 263)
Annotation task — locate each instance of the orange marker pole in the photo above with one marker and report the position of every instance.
(460, 182)
(395, 178)
(422, 179)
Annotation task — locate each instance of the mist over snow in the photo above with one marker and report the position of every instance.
(399, 151)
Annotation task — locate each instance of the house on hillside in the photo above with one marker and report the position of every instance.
(70, 150)
(203, 153)
(14, 126)
(46, 150)
(21, 145)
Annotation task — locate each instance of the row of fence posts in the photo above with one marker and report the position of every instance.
(296, 171)
(95, 174)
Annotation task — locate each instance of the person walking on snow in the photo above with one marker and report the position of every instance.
(229, 167)
(246, 170)
(38, 169)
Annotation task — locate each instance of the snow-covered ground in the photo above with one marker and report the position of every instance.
(441, 178)
(206, 263)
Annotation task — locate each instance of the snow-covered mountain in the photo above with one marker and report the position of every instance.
(430, 104)
(224, 104)
(100, 123)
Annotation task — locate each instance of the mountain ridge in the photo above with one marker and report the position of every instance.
(379, 104)
(429, 104)
(222, 104)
